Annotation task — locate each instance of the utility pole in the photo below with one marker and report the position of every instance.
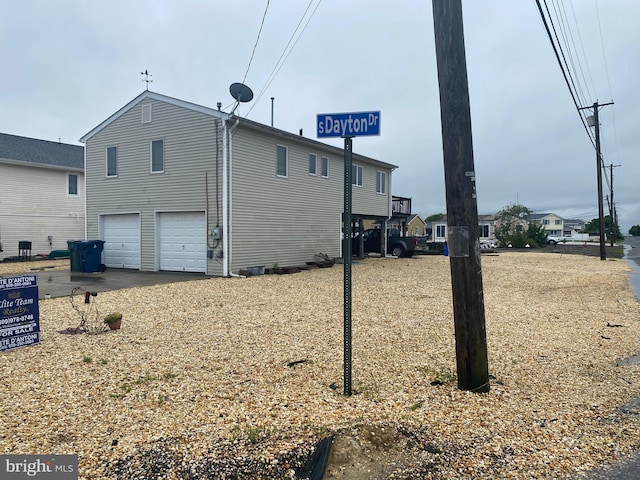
(596, 124)
(612, 208)
(462, 209)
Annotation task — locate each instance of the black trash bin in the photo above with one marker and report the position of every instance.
(91, 256)
(74, 255)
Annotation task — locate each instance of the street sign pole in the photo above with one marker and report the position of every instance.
(346, 253)
(347, 126)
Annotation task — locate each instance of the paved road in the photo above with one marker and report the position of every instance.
(628, 468)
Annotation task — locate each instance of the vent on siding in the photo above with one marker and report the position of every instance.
(146, 113)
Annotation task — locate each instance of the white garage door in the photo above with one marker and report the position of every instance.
(183, 242)
(121, 235)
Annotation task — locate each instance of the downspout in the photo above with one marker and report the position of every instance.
(226, 204)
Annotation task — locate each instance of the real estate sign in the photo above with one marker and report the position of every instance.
(19, 314)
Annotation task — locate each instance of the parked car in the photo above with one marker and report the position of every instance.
(396, 245)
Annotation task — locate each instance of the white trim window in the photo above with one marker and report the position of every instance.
(381, 182)
(112, 162)
(146, 113)
(281, 161)
(157, 156)
(356, 175)
(441, 231)
(324, 167)
(313, 164)
(72, 185)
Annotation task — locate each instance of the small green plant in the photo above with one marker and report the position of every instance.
(275, 265)
(148, 378)
(416, 406)
(442, 375)
(86, 359)
(112, 318)
(102, 361)
(169, 375)
(162, 398)
(256, 433)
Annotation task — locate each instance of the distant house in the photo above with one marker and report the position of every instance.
(572, 225)
(553, 224)
(176, 186)
(42, 194)
(486, 228)
(416, 226)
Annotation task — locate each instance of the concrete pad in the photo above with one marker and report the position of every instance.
(60, 283)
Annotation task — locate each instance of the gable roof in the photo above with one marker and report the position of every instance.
(15, 149)
(413, 217)
(540, 216)
(223, 116)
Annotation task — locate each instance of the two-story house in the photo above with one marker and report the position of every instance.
(41, 194)
(176, 186)
(553, 224)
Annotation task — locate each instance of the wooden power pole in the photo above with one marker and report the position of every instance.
(462, 209)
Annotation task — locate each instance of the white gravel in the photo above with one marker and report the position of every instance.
(196, 383)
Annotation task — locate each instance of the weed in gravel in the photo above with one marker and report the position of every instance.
(441, 375)
(86, 359)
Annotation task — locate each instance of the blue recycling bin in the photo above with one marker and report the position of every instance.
(74, 255)
(90, 252)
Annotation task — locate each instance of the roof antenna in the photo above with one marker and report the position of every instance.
(146, 79)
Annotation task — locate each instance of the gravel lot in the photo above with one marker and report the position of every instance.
(196, 384)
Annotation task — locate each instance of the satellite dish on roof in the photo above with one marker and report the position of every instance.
(241, 92)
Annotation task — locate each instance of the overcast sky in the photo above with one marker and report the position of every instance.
(66, 65)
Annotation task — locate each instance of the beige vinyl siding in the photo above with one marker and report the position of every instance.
(189, 175)
(288, 220)
(35, 205)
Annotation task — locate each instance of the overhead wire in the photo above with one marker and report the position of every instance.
(253, 51)
(255, 45)
(287, 51)
(562, 69)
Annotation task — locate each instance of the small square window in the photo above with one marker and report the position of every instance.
(157, 156)
(112, 162)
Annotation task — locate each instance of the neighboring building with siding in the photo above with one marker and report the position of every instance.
(553, 224)
(41, 194)
(416, 226)
(172, 185)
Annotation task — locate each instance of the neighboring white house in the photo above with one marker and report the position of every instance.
(486, 229)
(41, 194)
(176, 186)
(553, 224)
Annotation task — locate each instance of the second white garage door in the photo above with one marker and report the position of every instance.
(183, 241)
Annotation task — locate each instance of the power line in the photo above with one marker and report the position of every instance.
(264, 15)
(287, 51)
(564, 73)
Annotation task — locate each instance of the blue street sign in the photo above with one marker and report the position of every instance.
(348, 124)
